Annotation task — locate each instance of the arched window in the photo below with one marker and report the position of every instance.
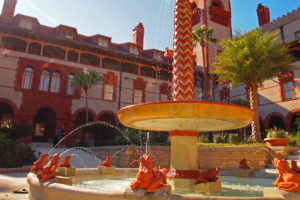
(55, 82)
(70, 90)
(27, 78)
(44, 82)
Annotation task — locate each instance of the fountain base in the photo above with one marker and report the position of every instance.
(106, 171)
(66, 171)
(210, 187)
(243, 173)
(181, 185)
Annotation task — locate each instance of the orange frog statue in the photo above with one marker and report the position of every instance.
(66, 162)
(295, 167)
(148, 178)
(106, 163)
(243, 164)
(209, 175)
(49, 170)
(288, 180)
(38, 165)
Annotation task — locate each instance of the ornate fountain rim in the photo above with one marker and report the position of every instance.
(185, 116)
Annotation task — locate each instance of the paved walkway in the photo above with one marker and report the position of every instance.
(12, 182)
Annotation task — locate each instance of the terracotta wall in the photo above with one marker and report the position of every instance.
(209, 157)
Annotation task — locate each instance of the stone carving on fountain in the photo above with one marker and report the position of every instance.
(106, 163)
(66, 162)
(49, 170)
(288, 180)
(209, 175)
(148, 178)
(38, 165)
(243, 164)
(295, 167)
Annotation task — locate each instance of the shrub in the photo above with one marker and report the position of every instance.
(233, 138)
(294, 141)
(17, 131)
(220, 138)
(203, 138)
(276, 133)
(13, 154)
(249, 140)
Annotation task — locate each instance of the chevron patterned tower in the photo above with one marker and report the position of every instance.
(183, 71)
(184, 150)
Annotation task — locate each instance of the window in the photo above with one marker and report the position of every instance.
(44, 82)
(27, 78)
(108, 92)
(164, 97)
(157, 56)
(134, 50)
(137, 96)
(67, 34)
(298, 35)
(55, 82)
(102, 42)
(70, 89)
(25, 24)
(288, 90)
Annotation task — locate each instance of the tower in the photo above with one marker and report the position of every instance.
(214, 14)
(138, 36)
(9, 7)
(263, 14)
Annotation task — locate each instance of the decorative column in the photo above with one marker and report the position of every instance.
(184, 149)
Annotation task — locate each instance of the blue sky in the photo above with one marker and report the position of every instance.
(117, 18)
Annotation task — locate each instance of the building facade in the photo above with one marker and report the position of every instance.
(38, 63)
(279, 98)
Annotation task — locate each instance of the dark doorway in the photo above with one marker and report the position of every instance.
(6, 114)
(45, 125)
(278, 122)
(79, 121)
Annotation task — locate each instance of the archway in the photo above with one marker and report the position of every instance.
(278, 122)
(79, 121)
(6, 114)
(44, 124)
(104, 133)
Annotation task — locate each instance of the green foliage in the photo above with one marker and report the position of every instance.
(220, 138)
(252, 58)
(17, 131)
(130, 136)
(203, 138)
(297, 121)
(249, 140)
(233, 138)
(13, 154)
(86, 80)
(241, 102)
(202, 35)
(294, 140)
(276, 133)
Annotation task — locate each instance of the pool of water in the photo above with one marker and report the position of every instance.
(231, 186)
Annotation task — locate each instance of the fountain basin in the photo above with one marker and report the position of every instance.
(197, 116)
(54, 189)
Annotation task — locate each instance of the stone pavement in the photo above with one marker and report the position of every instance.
(11, 182)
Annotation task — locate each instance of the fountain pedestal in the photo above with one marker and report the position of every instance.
(184, 160)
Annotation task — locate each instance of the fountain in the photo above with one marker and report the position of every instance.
(183, 117)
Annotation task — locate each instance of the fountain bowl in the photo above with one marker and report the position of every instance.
(200, 116)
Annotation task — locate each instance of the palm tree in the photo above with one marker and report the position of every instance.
(203, 36)
(86, 80)
(251, 59)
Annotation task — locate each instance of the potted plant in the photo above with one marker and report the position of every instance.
(276, 137)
